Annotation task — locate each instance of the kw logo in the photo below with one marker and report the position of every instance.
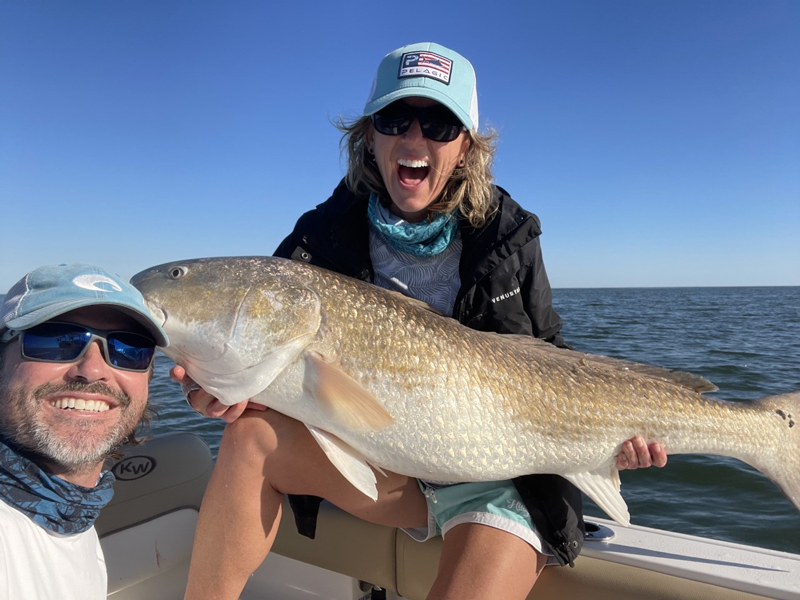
(133, 467)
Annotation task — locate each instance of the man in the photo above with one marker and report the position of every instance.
(76, 353)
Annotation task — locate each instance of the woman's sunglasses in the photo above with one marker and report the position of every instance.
(67, 342)
(436, 122)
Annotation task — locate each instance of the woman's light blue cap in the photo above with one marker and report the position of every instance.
(430, 71)
(52, 290)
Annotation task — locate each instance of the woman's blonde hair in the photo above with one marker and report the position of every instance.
(470, 186)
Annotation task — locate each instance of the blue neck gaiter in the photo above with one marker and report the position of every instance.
(52, 502)
(427, 238)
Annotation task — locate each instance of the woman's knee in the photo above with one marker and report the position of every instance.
(260, 434)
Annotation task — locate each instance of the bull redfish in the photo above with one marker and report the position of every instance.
(382, 380)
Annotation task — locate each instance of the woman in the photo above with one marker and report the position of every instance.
(416, 213)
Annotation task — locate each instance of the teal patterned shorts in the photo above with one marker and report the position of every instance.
(495, 504)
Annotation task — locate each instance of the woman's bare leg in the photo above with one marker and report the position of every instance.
(481, 563)
(262, 457)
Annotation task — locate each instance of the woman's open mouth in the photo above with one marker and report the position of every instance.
(412, 172)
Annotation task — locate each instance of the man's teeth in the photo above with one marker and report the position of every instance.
(81, 404)
(416, 164)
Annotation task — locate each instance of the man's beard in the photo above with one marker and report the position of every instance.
(83, 448)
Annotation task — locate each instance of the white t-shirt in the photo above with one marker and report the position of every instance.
(36, 563)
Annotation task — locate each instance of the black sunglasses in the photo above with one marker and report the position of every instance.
(436, 122)
(67, 342)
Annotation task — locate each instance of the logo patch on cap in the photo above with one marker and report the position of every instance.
(425, 64)
(97, 283)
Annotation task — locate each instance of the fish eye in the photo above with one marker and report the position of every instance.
(177, 272)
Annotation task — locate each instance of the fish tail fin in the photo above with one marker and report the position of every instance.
(782, 465)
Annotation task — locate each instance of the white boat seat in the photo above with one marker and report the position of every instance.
(160, 487)
(389, 558)
(147, 530)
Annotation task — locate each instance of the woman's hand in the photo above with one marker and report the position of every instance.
(204, 403)
(636, 454)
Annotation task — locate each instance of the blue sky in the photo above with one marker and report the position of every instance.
(657, 140)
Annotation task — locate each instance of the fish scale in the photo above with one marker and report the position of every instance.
(383, 380)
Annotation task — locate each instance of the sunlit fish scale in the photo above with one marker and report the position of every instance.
(382, 380)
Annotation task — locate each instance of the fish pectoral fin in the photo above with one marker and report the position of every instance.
(349, 462)
(342, 398)
(603, 486)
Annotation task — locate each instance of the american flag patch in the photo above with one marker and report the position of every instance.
(425, 64)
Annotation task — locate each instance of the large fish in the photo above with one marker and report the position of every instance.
(383, 380)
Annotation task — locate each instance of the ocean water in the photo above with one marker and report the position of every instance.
(745, 340)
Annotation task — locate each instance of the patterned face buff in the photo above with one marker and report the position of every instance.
(420, 239)
(51, 502)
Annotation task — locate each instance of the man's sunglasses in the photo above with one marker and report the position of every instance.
(436, 122)
(67, 342)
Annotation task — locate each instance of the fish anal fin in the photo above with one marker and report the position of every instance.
(342, 398)
(603, 486)
(347, 461)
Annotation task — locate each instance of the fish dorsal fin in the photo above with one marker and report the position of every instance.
(349, 462)
(679, 378)
(341, 398)
(603, 486)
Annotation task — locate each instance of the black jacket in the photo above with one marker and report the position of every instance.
(504, 288)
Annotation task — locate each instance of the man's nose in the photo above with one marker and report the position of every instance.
(92, 366)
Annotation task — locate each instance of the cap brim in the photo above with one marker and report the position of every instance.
(57, 309)
(423, 92)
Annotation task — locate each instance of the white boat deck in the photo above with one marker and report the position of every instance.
(754, 570)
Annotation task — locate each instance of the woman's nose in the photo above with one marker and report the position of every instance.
(414, 131)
